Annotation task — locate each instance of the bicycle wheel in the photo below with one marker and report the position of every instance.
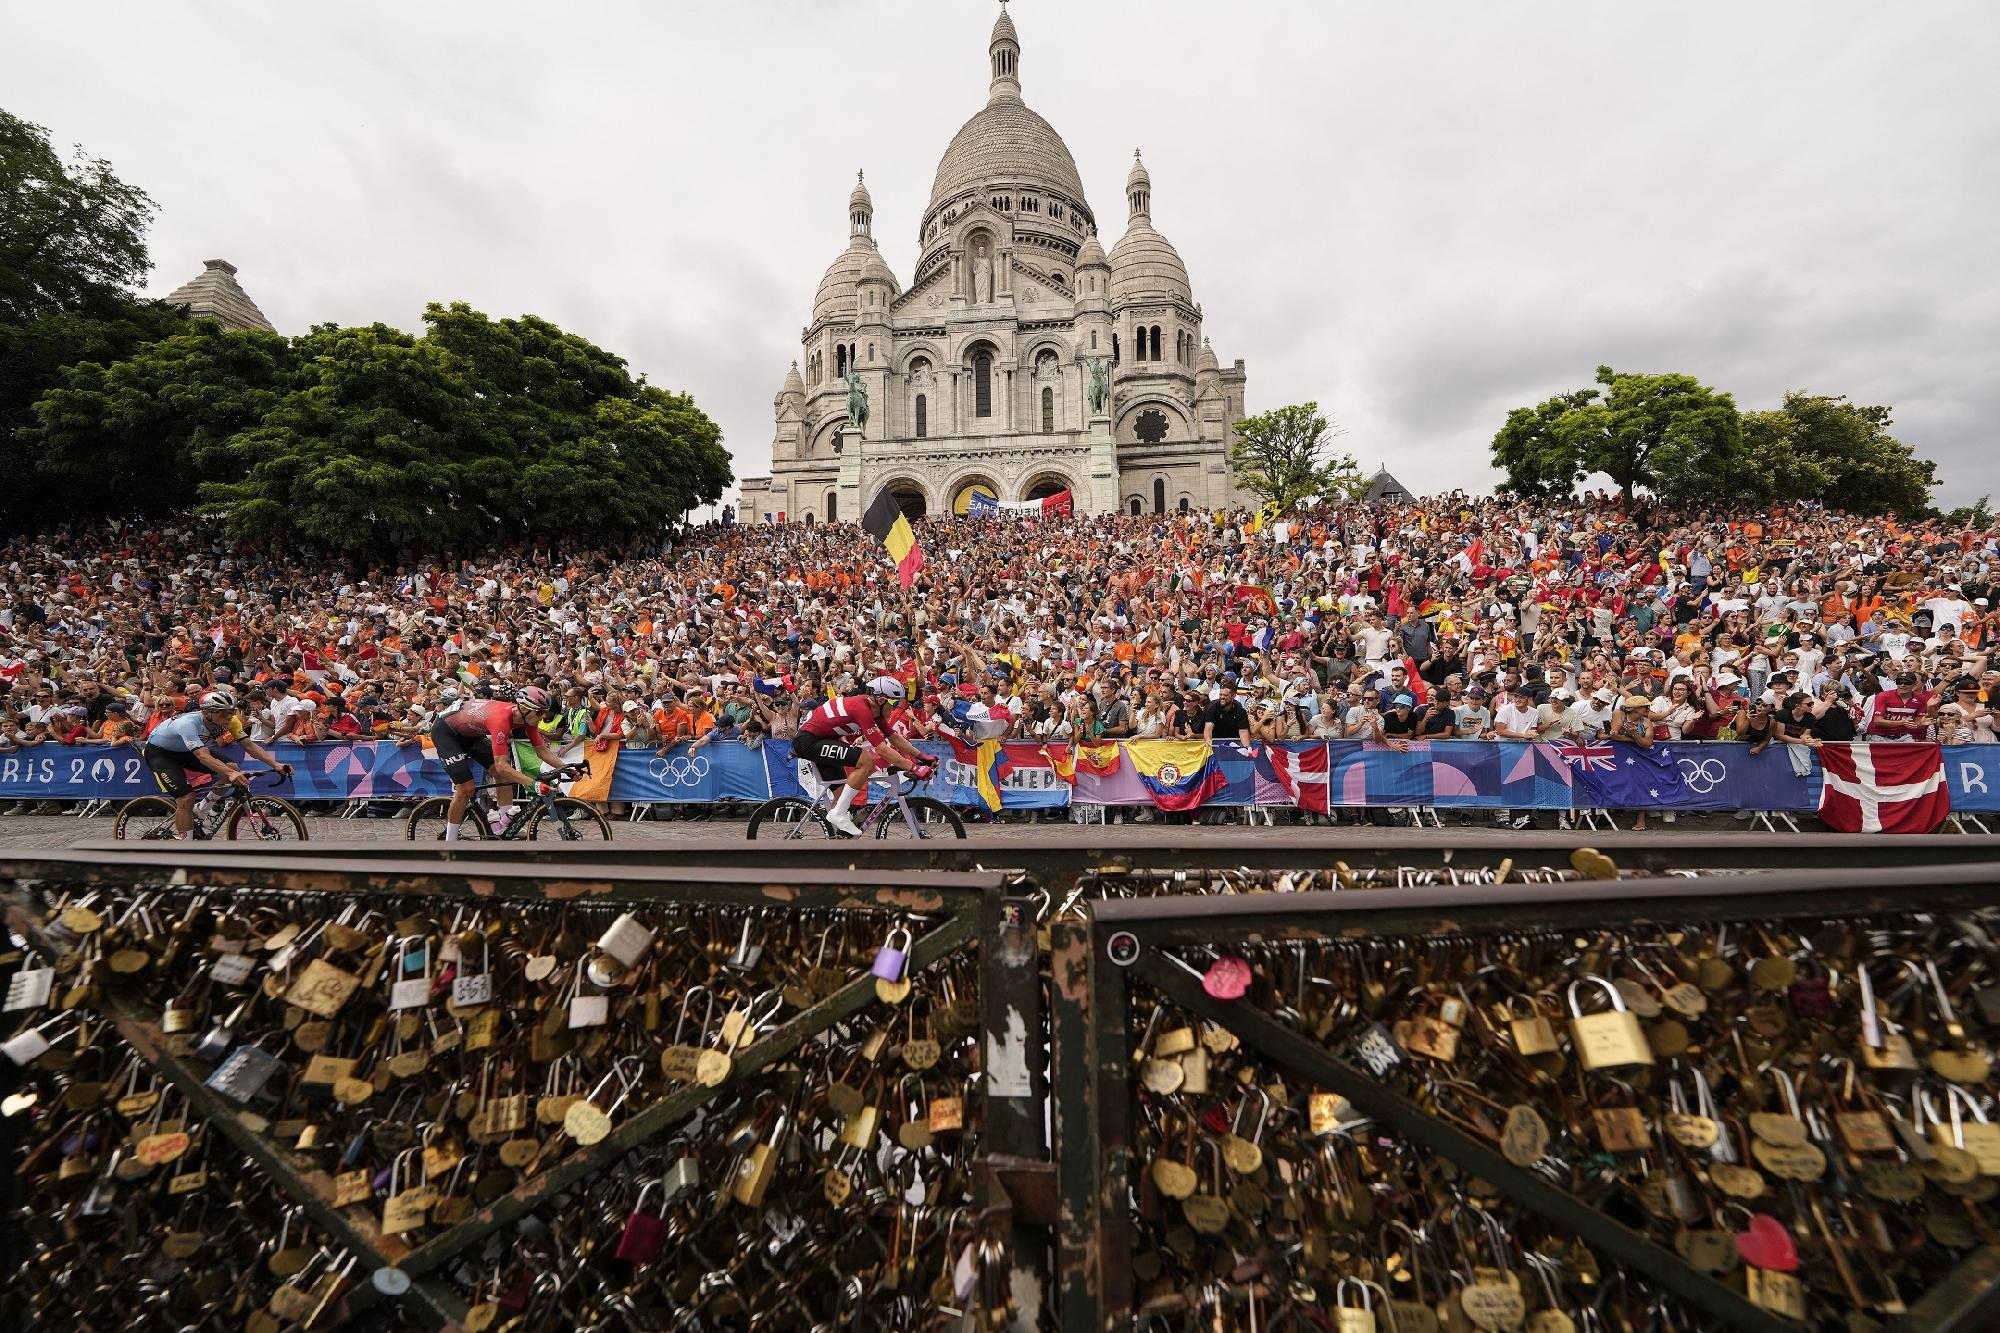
(427, 822)
(266, 819)
(145, 817)
(787, 817)
(934, 819)
(568, 819)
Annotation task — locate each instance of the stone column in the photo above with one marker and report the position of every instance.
(1101, 488)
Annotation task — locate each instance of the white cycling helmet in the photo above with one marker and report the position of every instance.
(218, 701)
(888, 687)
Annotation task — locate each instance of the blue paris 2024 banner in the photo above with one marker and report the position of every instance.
(1452, 774)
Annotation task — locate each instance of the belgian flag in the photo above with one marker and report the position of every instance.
(885, 522)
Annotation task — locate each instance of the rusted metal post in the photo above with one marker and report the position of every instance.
(1072, 1071)
(1015, 1086)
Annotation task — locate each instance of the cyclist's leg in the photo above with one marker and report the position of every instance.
(170, 770)
(858, 773)
(457, 756)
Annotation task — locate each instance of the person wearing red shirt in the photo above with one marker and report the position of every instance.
(840, 738)
(1901, 714)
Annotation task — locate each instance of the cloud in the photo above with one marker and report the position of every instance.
(1420, 216)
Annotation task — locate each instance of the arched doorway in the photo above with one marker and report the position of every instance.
(910, 499)
(1045, 485)
(961, 499)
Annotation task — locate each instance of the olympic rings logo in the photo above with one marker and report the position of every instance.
(683, 770)
(1703, 776)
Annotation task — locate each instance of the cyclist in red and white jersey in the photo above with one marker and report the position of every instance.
(482, 732)
(840, 739)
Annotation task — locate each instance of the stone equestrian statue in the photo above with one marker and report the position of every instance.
(857, 403)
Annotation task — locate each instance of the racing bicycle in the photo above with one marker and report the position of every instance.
(235, 815)
(544, 817)
(897, 815)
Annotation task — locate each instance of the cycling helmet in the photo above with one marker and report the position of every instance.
(887, 687)
(449, 695)
(218, 701)
(535, 697)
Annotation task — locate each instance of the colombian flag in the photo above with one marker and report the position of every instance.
(885, 522)
(987, 761)
(1179, 775)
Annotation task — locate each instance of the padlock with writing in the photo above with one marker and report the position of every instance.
(29, 987)
(470, 989)
(1608, 1039)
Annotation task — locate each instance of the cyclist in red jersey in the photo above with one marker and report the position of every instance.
(840, 739)
(482, 732)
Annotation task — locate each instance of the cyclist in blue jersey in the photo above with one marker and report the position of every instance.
(187, 745)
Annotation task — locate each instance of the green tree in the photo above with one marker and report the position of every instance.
(1287, 455)
(1536, 450)
(1978, 514)
(72, 235)
(1839, 454)
(1669, 433)
(481, 430)
(140, 431)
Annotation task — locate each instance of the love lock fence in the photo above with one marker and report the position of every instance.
(496, 1098)
(1763, 1103)
(1317, 1086)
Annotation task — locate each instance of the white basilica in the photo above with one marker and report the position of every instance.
(1021, 360)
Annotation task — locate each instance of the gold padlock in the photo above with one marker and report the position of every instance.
(1610, 1039)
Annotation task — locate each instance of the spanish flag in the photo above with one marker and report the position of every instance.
(885, 522)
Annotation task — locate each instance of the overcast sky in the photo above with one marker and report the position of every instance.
(1419, 215)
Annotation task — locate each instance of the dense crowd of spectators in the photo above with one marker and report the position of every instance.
(1453, 616)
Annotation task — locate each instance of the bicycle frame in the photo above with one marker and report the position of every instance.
(900, 788)
(545, 804)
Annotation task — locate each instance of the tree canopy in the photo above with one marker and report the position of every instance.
(1839, 454)
(481, 430)
(1669, 433)
(1287, 455)
(72, 235)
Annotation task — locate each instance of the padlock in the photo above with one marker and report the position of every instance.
(470, 989)
(744, 956)
(644, 1233)
(1351, 1318)
(626, 940)
(1532, 1032)
(244, 1074)
(893, 960)
(29, 988)
(407, 991)
(215, 1043)
(1611, 1039)
(758, 1168)
(682, 1176)
(30, 1044)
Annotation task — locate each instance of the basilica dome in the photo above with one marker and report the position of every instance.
(1005, 144)
(1144, 264)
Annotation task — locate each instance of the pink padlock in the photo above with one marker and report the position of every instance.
(644, 1232)
(1227, 978)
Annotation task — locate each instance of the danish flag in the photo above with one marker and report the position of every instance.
(1600, 757)
(1883, 787)
(1302, 773)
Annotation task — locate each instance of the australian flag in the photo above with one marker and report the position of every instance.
(1626, 778)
